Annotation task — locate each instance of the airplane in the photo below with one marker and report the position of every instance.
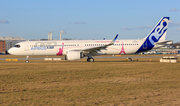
(77, 49)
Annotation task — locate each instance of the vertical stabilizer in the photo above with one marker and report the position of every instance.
(158, 33)
(163, 37)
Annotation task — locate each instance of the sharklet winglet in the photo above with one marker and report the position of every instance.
(112, 42)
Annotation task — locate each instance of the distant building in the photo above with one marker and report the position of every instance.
(177, 45)
(50, 36)
(10, 42)
(2, 47)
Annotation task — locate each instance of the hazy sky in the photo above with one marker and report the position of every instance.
(87, 19)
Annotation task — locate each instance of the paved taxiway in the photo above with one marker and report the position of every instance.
(98, 57)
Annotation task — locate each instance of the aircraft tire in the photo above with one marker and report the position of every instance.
(90, 60)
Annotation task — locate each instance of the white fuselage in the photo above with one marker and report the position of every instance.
(57, 47)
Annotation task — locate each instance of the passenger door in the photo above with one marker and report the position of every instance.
(26, 46)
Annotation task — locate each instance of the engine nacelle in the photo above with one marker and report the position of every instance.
(73, 55)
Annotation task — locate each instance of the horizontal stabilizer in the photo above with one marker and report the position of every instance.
(162, 43)
(169, 42)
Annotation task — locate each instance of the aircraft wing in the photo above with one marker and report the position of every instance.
(94, 50)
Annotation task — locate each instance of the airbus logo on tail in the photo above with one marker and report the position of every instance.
(158, 31)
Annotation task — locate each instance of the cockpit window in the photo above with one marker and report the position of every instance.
(18, 46)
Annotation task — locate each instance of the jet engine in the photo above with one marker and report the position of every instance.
(73, 55)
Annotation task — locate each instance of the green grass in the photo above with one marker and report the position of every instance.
(106, 82)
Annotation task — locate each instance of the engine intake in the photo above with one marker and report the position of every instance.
(73, 55)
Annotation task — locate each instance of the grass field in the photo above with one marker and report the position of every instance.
(105, 82)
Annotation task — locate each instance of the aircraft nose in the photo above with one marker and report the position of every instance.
(11, 51)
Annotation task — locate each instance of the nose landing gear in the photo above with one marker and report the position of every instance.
(27, 59)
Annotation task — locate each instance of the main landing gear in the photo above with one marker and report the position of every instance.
(90, 59)
(27, 59)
